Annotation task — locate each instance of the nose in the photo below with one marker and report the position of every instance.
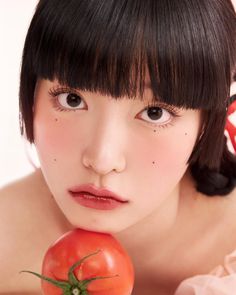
(104, 152)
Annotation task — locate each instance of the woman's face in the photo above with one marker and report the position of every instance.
(139, 153)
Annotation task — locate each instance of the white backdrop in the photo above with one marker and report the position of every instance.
(15, 16)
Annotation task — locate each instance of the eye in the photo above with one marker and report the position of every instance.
(71, 101)
(156, 115)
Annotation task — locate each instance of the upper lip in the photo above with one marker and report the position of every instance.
(96, 191)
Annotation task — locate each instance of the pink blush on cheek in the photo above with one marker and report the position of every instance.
(52, 137)
(165, 157)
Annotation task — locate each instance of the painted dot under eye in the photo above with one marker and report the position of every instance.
(155, 113)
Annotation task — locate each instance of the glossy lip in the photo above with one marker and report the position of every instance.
(90, 189)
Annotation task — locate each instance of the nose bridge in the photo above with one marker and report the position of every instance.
(104, 151)
(106, 134)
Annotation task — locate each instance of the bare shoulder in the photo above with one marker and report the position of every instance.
(17, 200)
(29, 221)
(223, 227)
(20, 200)
(230, 200)
(32, 183)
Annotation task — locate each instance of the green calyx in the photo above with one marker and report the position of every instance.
(73, 286)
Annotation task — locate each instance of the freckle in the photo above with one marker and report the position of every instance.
(186, 133)
(56, 119)
(153, 162)
(55, 160)
(154, 131)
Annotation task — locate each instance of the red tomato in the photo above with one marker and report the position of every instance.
(87, 263)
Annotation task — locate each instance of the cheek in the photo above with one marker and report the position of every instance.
(176, 149)
(54, 138)
(164, 157)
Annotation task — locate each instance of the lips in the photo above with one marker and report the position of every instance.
(94, 192)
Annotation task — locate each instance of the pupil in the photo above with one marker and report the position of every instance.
(155, 113)
(73, 100)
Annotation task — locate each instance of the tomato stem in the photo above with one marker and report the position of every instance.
(71, 277)
(60, 284)
(76, 291)
(73, 286)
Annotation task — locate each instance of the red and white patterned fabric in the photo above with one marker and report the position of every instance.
(230, 126)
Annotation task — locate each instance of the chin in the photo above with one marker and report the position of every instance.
(98, 228)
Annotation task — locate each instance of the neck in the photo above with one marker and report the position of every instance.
(153, 229)
(145, 240)
(152, 242)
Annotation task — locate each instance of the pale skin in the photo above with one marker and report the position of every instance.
(178, 231)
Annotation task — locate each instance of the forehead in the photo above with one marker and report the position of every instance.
(119, 55)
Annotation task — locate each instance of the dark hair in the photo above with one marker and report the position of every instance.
(187, 48)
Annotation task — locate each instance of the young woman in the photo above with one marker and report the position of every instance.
(130, 96)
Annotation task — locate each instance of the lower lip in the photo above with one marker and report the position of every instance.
(96, 202)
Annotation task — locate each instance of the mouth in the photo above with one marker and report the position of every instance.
(96, 198)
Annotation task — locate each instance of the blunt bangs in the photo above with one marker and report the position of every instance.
(181, 49)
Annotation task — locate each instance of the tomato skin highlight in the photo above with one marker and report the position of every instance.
(111, 261)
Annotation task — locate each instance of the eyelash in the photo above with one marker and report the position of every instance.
(54, 92)
(174, 111)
